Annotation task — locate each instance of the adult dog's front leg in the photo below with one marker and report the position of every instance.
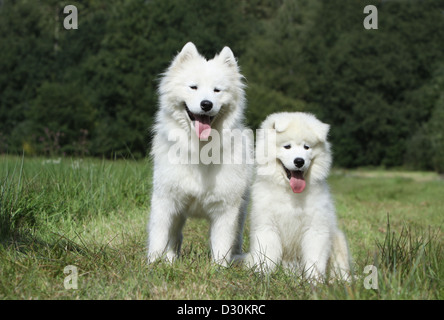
(226, 235)
(164, 230)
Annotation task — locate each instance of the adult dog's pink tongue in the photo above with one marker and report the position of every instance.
(202, 126)
(297, 181)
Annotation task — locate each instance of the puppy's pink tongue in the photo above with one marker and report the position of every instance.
(297, 181)
(202, 126)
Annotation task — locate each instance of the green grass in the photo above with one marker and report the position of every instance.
(93, 213)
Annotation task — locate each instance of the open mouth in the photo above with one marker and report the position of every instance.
(296, 179)
(202, 123)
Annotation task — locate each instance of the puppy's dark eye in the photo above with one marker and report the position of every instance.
(216, 90)
(306, 147)
(288, 146)
(193, 87)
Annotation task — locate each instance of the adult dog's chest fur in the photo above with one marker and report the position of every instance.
(200, 188)
(208, 188)
(215, 179)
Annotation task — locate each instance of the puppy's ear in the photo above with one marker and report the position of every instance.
(227, 56)
(276, 121)
(322, 130)
(188, 52)
(280, 125)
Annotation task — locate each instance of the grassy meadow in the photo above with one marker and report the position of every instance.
(92, 214)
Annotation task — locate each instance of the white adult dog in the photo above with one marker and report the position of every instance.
(201, 103)
(293, 218)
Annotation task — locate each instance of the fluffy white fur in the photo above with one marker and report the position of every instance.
(297, 227)
(180, 190)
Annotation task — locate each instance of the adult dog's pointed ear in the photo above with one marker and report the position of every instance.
(227, 56)
(188, 52)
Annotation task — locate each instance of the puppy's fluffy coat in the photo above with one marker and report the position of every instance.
(293, 219)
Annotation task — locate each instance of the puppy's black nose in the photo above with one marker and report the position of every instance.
(206, 105)
(299, 162)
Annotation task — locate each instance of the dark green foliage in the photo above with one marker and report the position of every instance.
(425, 149)
(366, 83)
(93, 90)
(263, 101)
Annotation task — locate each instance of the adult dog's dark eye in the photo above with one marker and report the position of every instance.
(288, 146)
(193, 87)
(306, 147)
(216, 90)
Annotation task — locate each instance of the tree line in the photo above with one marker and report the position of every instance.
(92, 91)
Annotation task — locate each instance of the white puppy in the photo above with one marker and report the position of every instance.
(201, 104)
(293, 218)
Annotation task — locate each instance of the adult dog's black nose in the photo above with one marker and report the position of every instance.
(206, 105)
(299, 162)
